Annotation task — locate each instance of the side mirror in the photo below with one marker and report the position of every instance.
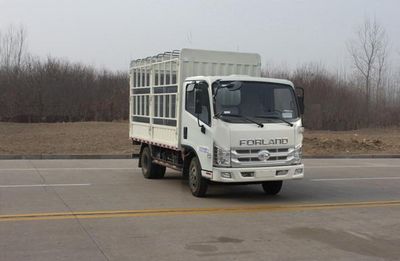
(198, 106)
(301, 104)
(300, 98)
(198, 96)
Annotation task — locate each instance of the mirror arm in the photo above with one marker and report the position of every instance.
(203, 129)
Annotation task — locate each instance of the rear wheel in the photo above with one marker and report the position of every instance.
(150, 170)
(272, 187)
(198, 185)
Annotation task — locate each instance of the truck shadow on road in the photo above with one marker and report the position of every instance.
(298, 191)
(250, 193)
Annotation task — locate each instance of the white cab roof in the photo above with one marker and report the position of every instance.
(240, 78)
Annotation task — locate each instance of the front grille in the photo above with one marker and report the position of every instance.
(249, 157)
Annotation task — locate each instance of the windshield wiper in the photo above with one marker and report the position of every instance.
(275, 118)
(219, 114)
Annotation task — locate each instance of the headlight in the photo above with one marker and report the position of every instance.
(297, 155)
(222, 157)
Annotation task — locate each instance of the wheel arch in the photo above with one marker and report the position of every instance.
(188, 154)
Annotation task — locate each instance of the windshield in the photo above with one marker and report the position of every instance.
(256, 100)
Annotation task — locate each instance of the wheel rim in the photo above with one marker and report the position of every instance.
(193, 180)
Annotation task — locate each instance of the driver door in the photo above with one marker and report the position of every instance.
(196, 123)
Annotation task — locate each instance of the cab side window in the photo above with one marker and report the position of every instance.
(202, 87)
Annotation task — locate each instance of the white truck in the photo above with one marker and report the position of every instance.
(211, 116)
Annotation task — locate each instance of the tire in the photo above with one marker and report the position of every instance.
(198, 185)
(150, 170)
(272, 187)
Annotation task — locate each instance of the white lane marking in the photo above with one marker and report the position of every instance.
(344, 179)
(350, 166)
(44, 185)
(359, 235)
(31, 169)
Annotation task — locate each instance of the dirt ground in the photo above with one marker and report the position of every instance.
(112, 138)
(65, 138)
(364, 141)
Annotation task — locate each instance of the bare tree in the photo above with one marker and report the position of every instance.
(12, 46)
(369, 53)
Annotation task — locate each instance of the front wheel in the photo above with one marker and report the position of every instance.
(272, 187)
(198, 185)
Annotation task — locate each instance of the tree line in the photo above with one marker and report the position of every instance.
(55, 90)
(338, 102)
(368, 97)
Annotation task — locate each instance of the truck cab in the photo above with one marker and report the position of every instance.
(243, 129)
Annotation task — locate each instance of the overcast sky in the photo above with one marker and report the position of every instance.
(109, 33)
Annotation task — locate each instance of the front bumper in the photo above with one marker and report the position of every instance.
(259, 174)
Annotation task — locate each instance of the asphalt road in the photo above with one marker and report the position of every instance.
(105, 210)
